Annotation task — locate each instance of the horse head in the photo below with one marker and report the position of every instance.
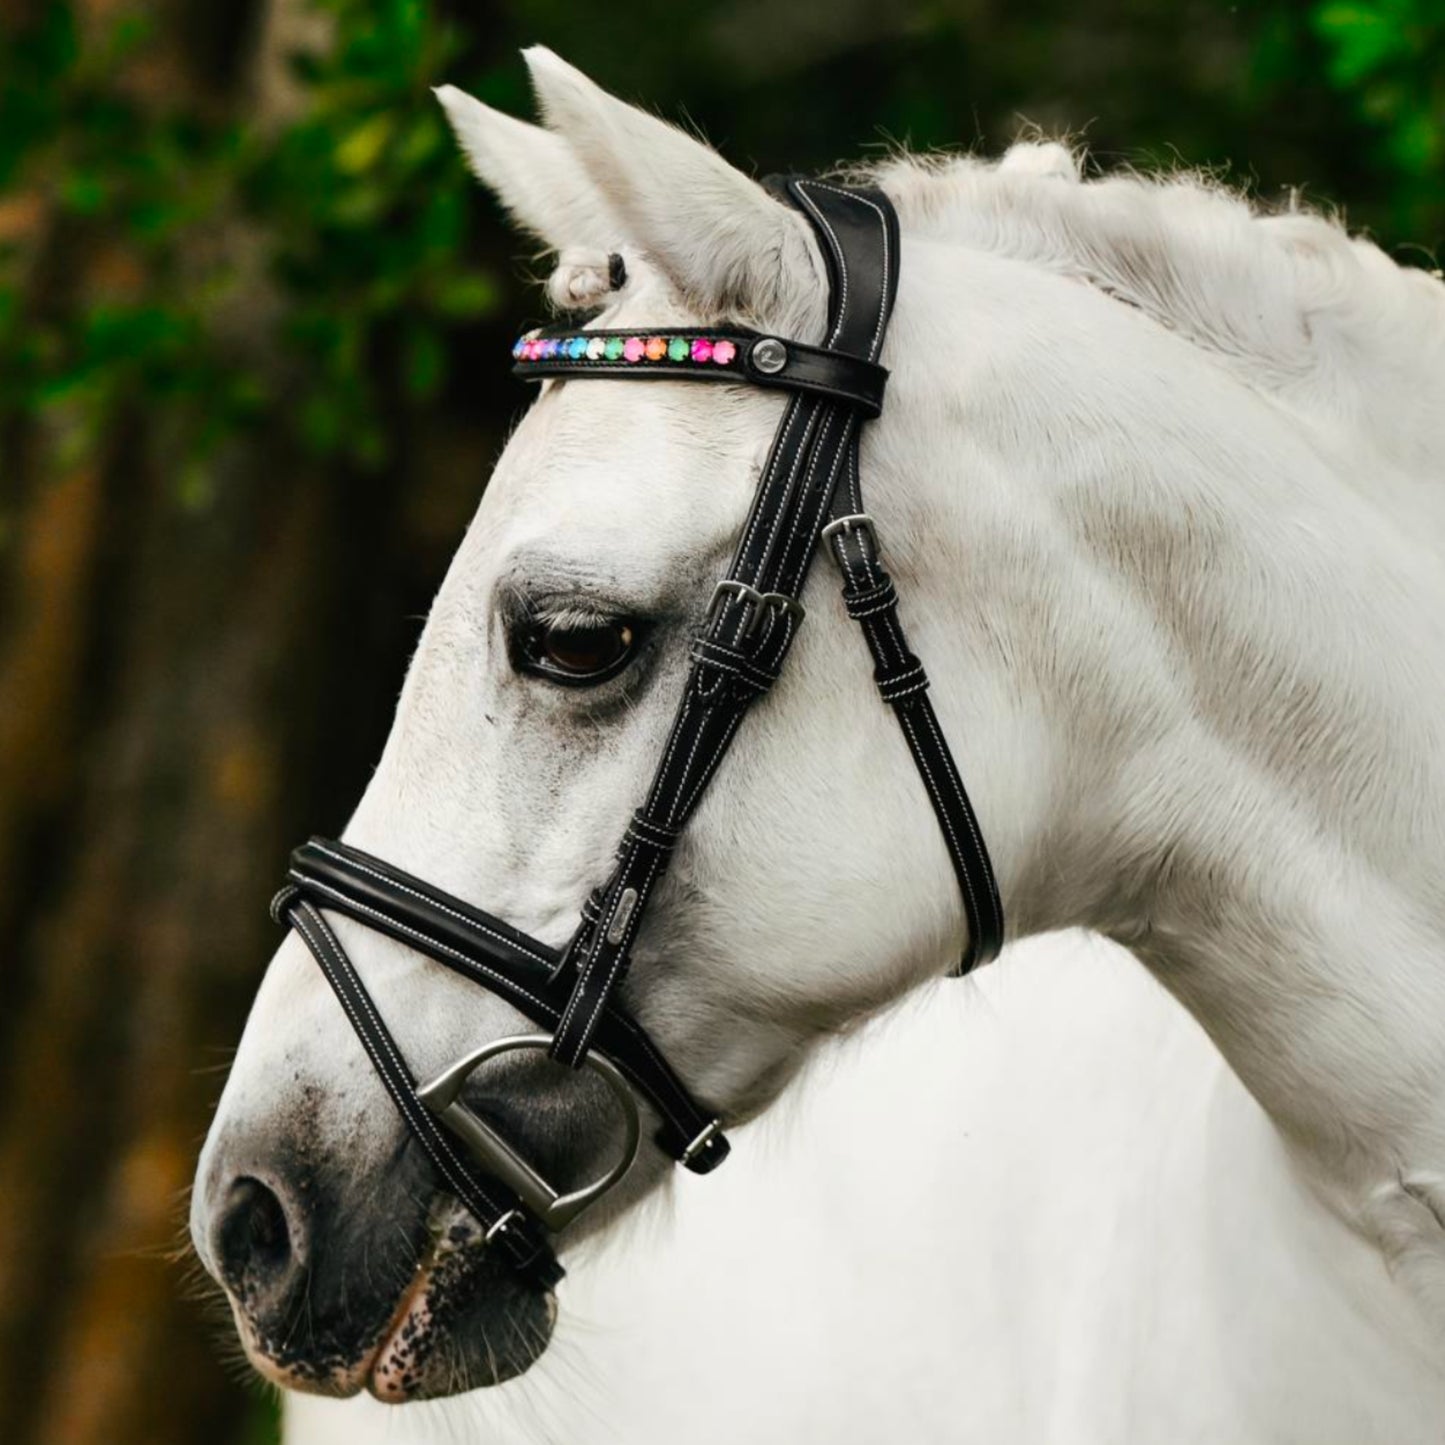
(1124, 643)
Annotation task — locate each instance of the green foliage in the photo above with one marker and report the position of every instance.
(72, 146)
(1387, 57)
(368, 209)
(263, 1421)
(309, 279)
(355, 214)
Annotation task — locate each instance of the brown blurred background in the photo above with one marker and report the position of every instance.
(252, 377)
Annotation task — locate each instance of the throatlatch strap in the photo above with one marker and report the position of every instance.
(872, 602)
(755, 612)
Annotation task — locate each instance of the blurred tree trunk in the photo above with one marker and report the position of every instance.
(162, 670)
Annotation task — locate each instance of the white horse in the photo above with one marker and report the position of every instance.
(1174, 566)
(1105, 1243)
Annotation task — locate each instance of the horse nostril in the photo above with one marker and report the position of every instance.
(254, 1245)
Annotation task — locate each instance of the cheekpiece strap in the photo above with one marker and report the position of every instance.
(756, 611)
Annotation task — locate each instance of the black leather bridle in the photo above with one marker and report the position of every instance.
(809, 492)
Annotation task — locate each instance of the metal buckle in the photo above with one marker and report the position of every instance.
(705, 1137)
(854, 522)
(502, 1225)
(761, 602)
(554, 1209)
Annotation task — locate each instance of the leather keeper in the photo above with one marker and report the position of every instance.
(869, 601)
(903, 683)
(738, 664)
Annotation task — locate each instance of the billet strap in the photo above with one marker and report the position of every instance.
(514, 966)
(507, 1226)
(755, 611)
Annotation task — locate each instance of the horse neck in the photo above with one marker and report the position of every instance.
(1217, 734)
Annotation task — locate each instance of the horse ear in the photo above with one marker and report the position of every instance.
(726, 245)
(533, 173)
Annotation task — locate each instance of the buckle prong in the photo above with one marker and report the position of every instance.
(501, 1225)
(705, 1137)
(853, 522)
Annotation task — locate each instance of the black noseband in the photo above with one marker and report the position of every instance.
(809, 492)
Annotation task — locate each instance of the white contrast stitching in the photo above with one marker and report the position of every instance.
(642, 894)
(706, 775)
(941, 810)
(324, 944)
(887, 259)
(967, 811)
(432, 903)
(838, 255)
(815, 451)
(430, 942)
(775, 457)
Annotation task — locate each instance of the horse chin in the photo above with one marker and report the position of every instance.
(465, 1322)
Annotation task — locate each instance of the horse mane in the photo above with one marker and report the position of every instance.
(1323, 321)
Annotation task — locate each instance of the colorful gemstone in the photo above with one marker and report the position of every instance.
(517, 348)
(723, 352)
(596, 346)
(656, 348)
(677, 349)
(634, 348)
(614, 348)
(577, 347)
(702, 349)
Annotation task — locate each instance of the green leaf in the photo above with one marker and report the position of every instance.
(361, 150)
(466, 295)
(83, 193)
(426, 362)
(1362, 39)
(1417, 144)
(196, 485)
(321, 424)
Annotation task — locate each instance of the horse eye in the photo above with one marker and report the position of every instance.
(580, 656)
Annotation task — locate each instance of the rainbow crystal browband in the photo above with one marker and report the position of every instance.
(704, 354)
(633, 348)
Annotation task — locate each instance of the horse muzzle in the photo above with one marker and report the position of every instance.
(346, 1272)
